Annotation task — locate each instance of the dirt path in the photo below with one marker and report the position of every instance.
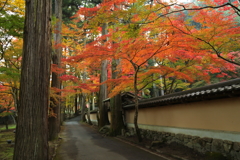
(81, 142)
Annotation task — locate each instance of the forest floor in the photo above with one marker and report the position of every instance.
(6, 149)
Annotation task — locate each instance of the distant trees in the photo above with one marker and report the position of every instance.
(11, 34)
(6, 105)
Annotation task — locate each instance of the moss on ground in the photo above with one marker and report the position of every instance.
(215, 156)
(5, 148)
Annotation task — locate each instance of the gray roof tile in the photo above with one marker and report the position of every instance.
(215, 91)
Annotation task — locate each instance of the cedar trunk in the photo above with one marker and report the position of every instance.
(76, 104)
(103, 110)
(6, 121)
(117, 123)
(31, 141)
(88, 116)
(54, 122)
(83, 108)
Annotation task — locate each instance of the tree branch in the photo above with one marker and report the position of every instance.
(218, 53)
(3, 5)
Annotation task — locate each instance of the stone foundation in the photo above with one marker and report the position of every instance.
(202, 145)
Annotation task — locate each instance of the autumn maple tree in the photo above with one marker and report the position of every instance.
(180, 46)
(11, 27)
(6, 104)
(229, 10)
(80, 76)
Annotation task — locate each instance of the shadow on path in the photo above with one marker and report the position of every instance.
(81, 142)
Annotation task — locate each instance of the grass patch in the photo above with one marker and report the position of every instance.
(5, 148)
(10, 126)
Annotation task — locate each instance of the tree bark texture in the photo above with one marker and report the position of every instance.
(31, 141)
(83, 108)
(88, 116)
(6, 119)
(15, 94)
(76, 104)
(103, 112)
(117, 123)
(62, 114)
(54, 122)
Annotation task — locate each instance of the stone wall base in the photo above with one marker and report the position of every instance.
(202, 145)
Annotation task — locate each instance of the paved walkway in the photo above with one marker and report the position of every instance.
(81, 142)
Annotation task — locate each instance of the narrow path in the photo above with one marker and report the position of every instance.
(81, 142)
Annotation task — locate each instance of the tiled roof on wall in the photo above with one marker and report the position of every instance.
(226, 89)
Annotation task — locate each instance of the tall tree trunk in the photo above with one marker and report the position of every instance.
(14, 120)
(63, 113)
(155, 91)
(103, 112)
(76, 104)
(88, 115)
(83, 108)
(31, 133)
(93, 101)
(6, 121)
(15, 94)
(117, 123)
(54, 121)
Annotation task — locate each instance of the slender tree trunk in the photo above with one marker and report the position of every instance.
(88, 115)
(31, 141)
(93, 101)
(63, 115)
(155, 91)
(76, 105)
(15, 94)
(136, 91)
(6, 122)
(136, 121)
(54, 122)
(161, 86)
(117, 123)
(14, 120)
